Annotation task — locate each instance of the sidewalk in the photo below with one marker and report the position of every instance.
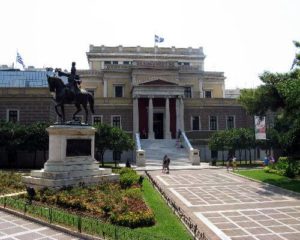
(226, 206)
(13, 227)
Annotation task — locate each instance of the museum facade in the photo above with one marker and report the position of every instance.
(148, 90)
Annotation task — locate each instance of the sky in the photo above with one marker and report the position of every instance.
(242, 38)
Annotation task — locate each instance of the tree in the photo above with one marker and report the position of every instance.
(36, 139)
(121, 141)
(218, 142)
(11, 139)
(279, 93)
(111, 138)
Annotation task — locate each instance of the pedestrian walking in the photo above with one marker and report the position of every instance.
(164, 164)
(168, 165)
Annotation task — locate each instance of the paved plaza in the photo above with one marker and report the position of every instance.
(12, 227)
(227, 206)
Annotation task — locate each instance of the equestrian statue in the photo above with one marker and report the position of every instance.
(70, 93)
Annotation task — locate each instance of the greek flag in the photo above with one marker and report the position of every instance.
(158, 39)
(19, 59)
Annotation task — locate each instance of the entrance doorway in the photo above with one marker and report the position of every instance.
(158, 125)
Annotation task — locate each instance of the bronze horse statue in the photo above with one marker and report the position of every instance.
(64, 95)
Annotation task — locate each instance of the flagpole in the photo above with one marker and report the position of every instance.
(154, 49)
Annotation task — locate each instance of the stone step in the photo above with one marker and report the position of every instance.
(156, 149)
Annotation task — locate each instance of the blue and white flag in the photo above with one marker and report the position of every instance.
(19, 59)
(158, 39)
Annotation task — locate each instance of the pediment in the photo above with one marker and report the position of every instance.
(158, 82)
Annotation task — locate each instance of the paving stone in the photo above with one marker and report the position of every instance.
(243, 238)
(248, 224)
(258, 230)
(289, 221)
(12, 230)
(281, 229)
(269, 237)
(5, 225)
(29, 236)
(269, 223)
(234, 232)
(226, 225)
(291, 236)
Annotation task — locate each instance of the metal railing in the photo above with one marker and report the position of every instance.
(79, 223)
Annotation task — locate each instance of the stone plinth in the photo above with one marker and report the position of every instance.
(71, 160)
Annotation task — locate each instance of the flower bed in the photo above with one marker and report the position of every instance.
(10, 182)
(121, 204)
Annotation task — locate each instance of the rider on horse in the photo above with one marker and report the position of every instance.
(73, 80)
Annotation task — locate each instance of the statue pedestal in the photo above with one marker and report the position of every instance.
(71, 160)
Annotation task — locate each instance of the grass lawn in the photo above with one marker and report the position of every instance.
(271, 178)
(167, 223)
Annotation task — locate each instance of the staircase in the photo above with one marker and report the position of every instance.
(156, 149)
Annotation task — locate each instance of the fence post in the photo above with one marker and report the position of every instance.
(79, 223)
(116, 236)
(25, 208)
(4, 202)
(50, 215)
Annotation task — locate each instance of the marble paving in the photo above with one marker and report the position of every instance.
(227, 206)
(12, 227)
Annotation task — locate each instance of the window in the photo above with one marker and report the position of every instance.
(213, 123)
(107, 62)
(126, 62)
(195, 123)
(208, 94)
(188, 92)
(12, 115)
(116, 121)
(115, 62)
(118, 91)
(230, 123)
(186, 64)
(96, 119)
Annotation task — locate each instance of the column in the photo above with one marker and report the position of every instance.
(135, 115)
(178, 124)
(150, 119)
(201, 95)
(105, 88)
(181, 114)
(167, 119)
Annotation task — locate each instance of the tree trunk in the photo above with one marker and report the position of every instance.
(250, 157)
(102, 158)
(34, 161)
(223, 157)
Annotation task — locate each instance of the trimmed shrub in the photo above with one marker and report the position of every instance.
(128, 178)
(284, 167)
(134, 219)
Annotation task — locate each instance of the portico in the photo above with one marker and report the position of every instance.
(158, 109)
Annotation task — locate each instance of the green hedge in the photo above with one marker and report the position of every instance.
(285, 167)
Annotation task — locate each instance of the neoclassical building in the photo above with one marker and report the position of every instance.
(157, 91)
(148, 90)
